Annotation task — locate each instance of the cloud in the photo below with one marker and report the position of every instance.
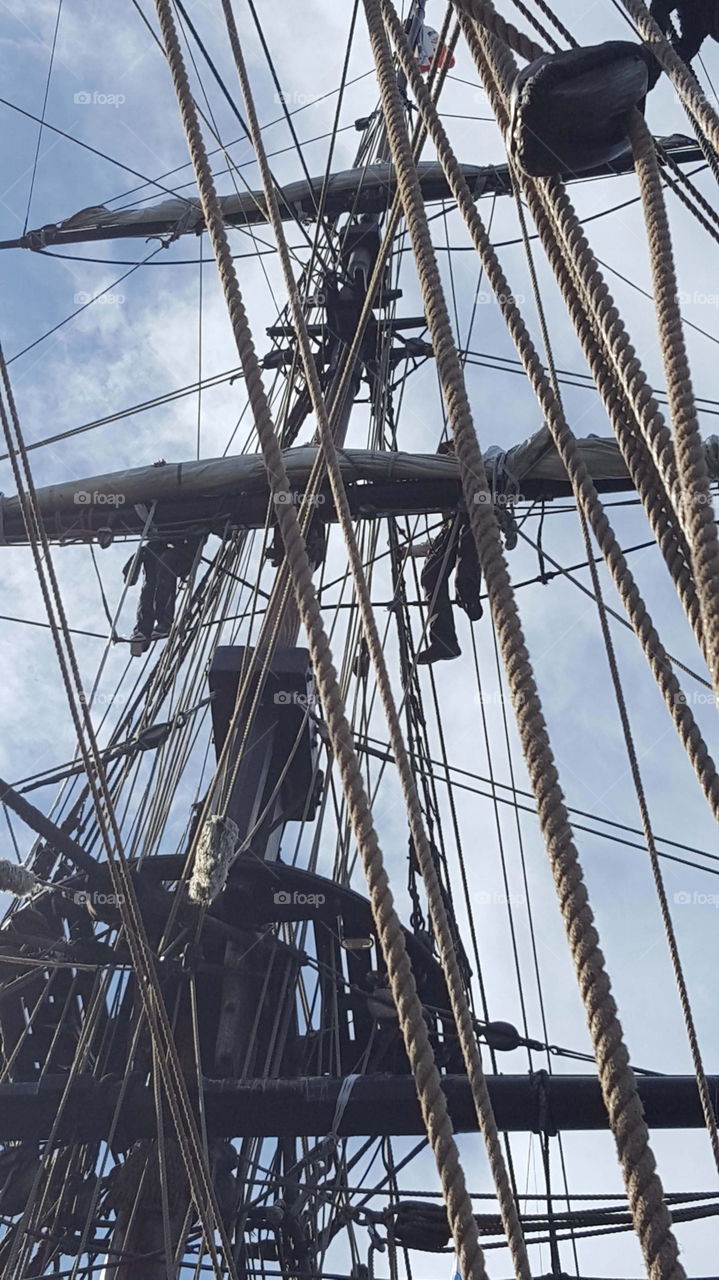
(118, 353)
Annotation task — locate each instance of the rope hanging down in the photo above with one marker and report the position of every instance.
(684, 999)
(164, 1049)
(644, 1188)
(414, 1031)
(639, 461)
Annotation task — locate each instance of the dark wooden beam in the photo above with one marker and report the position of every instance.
(377, 1105)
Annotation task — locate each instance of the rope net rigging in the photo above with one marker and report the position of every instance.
(251, 994)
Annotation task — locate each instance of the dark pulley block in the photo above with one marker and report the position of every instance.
(569, 110)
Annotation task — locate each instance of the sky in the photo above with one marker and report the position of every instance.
(163, 325)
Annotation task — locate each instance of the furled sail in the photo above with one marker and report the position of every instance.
(218, 490)
(365, 190)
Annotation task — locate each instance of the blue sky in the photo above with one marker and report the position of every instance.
(164, 324)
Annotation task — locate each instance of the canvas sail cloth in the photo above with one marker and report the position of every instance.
(367, 190)
(378, 482)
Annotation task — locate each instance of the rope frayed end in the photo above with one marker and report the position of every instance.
(213, 858)
(18, 880)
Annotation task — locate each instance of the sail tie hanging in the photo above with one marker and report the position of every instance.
(215, 852)
(18, 880)
(569, 110)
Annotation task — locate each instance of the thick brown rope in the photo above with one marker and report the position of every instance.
(685, 83)
(549, 13)
(690, 457)
(651, 456)
(554, 233)
(583, 484)
(550, 243)
(414, 1030)
(484, 12)
(649, 462)
(443, 933)
(644, 1190)
(701, 1078)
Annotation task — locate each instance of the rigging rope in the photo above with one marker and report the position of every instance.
(685, 83)
(702, 1082)
(484, 12)
(436, 899)
(389, 930)
(148, 983)
(585, 490)
(564, 233)
(651, 1216)
(697, 507)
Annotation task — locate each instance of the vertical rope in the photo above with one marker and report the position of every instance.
(560, 231)
(584, 489)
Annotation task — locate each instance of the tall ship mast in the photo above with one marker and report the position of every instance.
(361, 639)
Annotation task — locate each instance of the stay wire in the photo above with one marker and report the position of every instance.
(42, 116)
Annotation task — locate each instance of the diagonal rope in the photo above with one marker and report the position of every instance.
(414, 1031)
(484, 11)
(702, 1083)
(685, 83)
(698, 510)
(147, 979)
(440, 920)
(644, 1189)
(558, 228)
(583, 485)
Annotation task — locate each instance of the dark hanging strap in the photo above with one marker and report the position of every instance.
(543, 575)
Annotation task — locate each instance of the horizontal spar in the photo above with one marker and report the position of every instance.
(366, 190)
(377, 1106)
(217, 493)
